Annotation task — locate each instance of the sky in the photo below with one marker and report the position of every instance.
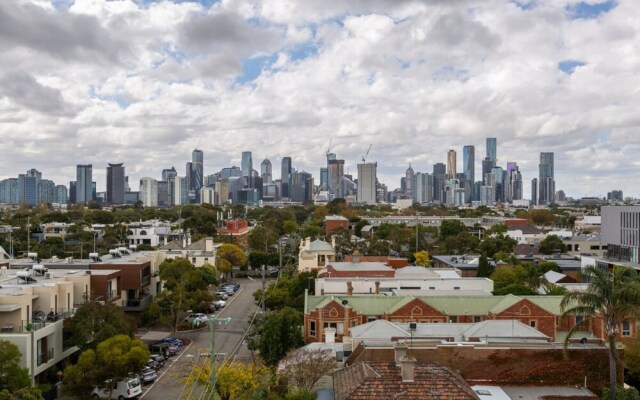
(146, 82)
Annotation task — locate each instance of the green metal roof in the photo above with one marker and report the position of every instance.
(449, 305)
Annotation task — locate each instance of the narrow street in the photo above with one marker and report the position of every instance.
(228, 345)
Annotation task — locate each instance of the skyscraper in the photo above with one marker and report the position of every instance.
(546, 183)
(246, 166)
(439, 176)
(534, 192)
(115, 184)
(408, 183)
(492, 150)
(336, 171)
(266, 171)
(367, 176)
(197, 171)
(469, 163)
(149, 192)
(451, 164)
(285, 177)
(28, 189)
(169, 173)
(84, 183)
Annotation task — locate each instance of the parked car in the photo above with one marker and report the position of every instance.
(159, 359)
(223, 293)
(234, 286)
(173, 341)
(219, 304)
(153, 364)
(125, 389)
(148, 375)
(197, 319)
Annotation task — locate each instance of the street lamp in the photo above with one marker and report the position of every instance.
(213, 321)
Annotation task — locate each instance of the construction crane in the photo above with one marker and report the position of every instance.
(329, 148)
(364, 158)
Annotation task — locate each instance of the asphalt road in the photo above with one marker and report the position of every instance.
(229, 346)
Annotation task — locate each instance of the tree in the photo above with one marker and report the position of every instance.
(516, 289)
(611, 296)
(451, 227)
(234, 381)
(233, 254)
(31, 393)
(289, 227)
(12, 376)
(113, 360)
(305, 367)
(552, 244)
(485, 269)
(422, 258)
(94, 323)
(280, 333)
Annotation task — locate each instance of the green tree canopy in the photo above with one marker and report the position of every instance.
(281, 332)
(94, 323)
(12, 376)
(485, 269)
(614, 297)
(451, 227)
(552, 244)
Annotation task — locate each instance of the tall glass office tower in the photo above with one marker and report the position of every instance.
(546, 182)
(469, 163)
(492, 150)
(197, 171)
(247, 167)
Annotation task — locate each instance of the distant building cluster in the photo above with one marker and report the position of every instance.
(444, 185)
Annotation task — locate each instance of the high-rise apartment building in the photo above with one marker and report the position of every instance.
(367, 177)
(197, 171)
(164, 194)
(469, 163)
(408, 183)
(60, 194)
(534, 192)
(115, 184)
(169, 173)
(84, 183)
(285, 177)
(546, 182)
(451, 165)
(9, 191)
(247, 167)
(266, 171)
(492, 150)
(27, 189)
(180, 192)
(439, 177)
(336, 171)
(149, 192)
(423, 184)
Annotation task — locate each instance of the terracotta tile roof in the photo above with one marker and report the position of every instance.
(373, 381)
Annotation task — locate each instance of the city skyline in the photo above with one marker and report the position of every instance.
(414, 80)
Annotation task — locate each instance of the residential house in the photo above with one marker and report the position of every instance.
(333, 222)
(235, 231)
(198, 253)
(315, 255)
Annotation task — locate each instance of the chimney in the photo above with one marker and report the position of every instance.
(377, 287)
(208, 244)
(330, 335)
(408, 368)
(356, 257)
(333, 243)
(349, 289)
(400, 351)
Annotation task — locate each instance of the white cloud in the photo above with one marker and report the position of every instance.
(114, 81)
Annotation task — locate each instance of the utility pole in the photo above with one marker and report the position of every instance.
(28, 235)
(264, 291)
(280, 250)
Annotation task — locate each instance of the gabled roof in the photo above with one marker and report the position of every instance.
(173, 245)
(319, 245)
(449, 305)
(553, 276)
(503, 329)
(377, 329)
(199, 245)
(375, 380)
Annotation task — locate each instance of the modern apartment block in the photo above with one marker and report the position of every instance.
(33, 305)
(621, 232)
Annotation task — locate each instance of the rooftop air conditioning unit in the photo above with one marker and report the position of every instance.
(114, 253)
(94, 256)
(48, 275)
(133, 247)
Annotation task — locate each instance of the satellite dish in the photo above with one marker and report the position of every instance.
(345, 302)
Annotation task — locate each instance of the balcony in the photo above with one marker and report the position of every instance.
(138, 304)
(145, 280)
(39, 320)
(45, 357)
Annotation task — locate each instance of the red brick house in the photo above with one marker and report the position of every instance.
(541, 312)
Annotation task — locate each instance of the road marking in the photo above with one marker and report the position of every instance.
(235, 296)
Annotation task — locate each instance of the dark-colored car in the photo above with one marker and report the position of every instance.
(159, 359)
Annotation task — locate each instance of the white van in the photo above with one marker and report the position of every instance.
(127, 389)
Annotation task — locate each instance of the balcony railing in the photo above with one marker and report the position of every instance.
(112, 295)
(39, 320)
(45, 357)
(138, 304)
(145, 280)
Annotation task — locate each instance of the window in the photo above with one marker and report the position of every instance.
(453, 319)
(626, 328)
(432, 288)
(477, 318)
(456, 288)
(579, 319)
(533, 323)
(312, 328)
(193, 260)
(371, 319)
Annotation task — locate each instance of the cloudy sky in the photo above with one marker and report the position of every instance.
(145, 82)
